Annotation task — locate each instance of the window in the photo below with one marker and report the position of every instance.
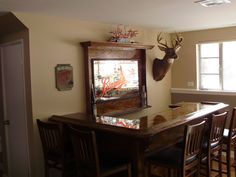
(217, 63)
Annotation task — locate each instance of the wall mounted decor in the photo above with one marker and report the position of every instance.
(161, 66)
(64, 77)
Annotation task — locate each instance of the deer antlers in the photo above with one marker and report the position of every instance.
(176, 42)
(159, 38)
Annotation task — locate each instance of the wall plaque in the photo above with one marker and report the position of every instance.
(64, 77)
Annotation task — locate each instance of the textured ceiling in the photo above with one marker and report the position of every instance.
(167, 15)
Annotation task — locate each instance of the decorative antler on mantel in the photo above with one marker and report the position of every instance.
(161, 66)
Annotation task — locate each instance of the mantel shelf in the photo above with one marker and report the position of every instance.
(101, 44)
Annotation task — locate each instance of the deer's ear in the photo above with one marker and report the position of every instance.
(161, 48)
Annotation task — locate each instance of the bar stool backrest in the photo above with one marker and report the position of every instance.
(85, 150)
(217, 125)
(51, 137)
(87, 160)
(193, 138)
(232, 126)
(57, 153)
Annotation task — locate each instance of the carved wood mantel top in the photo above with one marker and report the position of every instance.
(100, 44)
(144, 124)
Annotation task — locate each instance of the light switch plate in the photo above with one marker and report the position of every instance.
(190, 84)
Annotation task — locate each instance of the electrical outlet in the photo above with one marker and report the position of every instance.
(190, 84)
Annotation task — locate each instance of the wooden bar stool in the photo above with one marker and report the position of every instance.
(212, 146)
(229, 142)
(87, 159)
(185, 160)
(56, 153)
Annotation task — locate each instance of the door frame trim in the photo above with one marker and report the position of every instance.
(4, 44)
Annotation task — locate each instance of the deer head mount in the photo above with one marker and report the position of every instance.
(161, 66)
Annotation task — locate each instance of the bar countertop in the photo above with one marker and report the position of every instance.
(144, 123)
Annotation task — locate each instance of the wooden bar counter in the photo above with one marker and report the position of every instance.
(134, 136)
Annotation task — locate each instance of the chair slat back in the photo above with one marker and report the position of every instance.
(217, 125)
(51, 137)
(232, 126)
(85, 150)
(193, 138)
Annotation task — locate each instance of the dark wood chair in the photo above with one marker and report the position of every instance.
(229, 144)
(184, 160)
(212, 146)
(57, 154)
(87, 158)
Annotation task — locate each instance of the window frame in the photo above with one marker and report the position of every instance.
(199, 58)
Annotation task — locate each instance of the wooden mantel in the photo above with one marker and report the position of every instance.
(97, 50)
(101, 44)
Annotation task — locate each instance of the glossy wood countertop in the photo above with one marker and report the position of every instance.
(144, 123)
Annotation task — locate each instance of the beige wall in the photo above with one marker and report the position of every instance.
(184, 69)
(55, 40)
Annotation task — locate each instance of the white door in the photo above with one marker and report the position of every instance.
(14, 106)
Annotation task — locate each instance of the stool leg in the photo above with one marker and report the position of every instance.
(234, 158)
(169, 172)
(220, 161)
(129, 171)
(208, 165)
(228, 160)
(46, 170)
(198, 171)
(149, 169)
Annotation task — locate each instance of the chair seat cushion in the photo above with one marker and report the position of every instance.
(54, 156)
(169, 157)
(109, 167)
(212, 145)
